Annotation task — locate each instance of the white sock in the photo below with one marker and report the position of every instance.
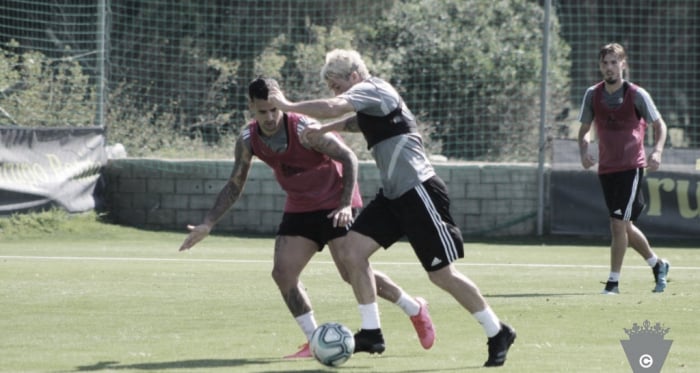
(370, 316)
(652, 261)
(307, 323)
(614, 277)
(489, 321)
(408, 304)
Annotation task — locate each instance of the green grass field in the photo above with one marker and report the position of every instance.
(101, 298)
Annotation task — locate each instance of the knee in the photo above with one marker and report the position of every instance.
(617, 225)
(282, 277)
(442, 277)
(347, 257)
(353, 254)
(343, 272)
(344, 275)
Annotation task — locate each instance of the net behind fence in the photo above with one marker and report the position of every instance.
(169, 78)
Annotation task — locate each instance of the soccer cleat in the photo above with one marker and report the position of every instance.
(303, 353)
(660, 274)
(499, 345)
(371, 341)
(424, 325)
(611, 288)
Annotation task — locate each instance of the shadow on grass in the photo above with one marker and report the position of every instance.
(533, 295)
(368, 369)
(182, 364)
(226, 363)
(575, 240)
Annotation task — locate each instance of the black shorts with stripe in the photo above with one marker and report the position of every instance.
(314, 225)
(623, 193)
(422, 215)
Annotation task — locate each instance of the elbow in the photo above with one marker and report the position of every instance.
(333, 111)
(337, 107)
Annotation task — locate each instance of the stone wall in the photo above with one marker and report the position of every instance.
(487, 199)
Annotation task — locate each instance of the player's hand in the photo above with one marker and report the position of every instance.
(654, 161)
(197, 233)
(276, 97)
(587, 160)
(342, 216)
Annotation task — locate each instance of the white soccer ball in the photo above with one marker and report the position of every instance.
(332, 344)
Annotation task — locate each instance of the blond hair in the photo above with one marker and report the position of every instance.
(340, 63)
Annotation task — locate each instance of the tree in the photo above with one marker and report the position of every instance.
(36, 90)
(472, 68)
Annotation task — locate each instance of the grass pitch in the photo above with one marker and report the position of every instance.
(102, 298)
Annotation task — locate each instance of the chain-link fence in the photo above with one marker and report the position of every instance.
(164, 74)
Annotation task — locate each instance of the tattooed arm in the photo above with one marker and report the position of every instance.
(331, 145)
(227, 196)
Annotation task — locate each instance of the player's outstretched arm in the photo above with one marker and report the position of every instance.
(345, 124)
(321, 108)
(197, 233)
(228, 195)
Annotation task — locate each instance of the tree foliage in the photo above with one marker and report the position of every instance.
(472, 68)
(469, 69)
(36, 90)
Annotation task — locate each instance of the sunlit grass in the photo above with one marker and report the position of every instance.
(95, 297)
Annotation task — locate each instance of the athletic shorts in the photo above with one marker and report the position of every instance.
(623, 193)
(314, 225)
(423, 216)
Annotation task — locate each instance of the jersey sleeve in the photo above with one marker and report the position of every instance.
(645, 106)
(585, 115)
(362, 96)
(302, 124)
(245, 135)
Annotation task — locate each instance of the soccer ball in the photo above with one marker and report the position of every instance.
(332, 344)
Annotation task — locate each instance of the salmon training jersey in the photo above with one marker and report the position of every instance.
(621, 133)
(311, 180)
(620, 120)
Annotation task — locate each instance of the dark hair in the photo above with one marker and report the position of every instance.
(260, 87)
(612, 48)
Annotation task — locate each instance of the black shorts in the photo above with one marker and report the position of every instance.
(623, 193)
(314, 225)
(422, 215)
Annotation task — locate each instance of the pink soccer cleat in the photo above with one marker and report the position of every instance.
(424, 325)
(303, 353)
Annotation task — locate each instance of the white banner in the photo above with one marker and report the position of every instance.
(45, 167)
